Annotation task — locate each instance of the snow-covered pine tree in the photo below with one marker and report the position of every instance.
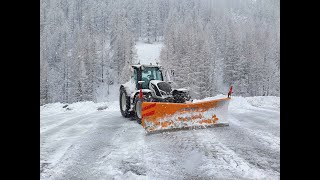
(121, 46)
(244, 33)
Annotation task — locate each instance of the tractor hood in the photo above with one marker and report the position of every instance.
(160, 89)
(163, 86)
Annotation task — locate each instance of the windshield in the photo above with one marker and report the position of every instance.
(150, 73)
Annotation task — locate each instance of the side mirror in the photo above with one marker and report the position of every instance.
(140, 84)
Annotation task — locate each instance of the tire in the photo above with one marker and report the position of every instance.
(124, 102)
(138, 106)
(138, 110)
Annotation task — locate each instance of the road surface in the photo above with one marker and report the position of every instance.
(85, 143)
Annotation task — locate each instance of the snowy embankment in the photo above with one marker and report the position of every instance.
(79, 141)
(89, 106)
(84, 107)
(248, 102)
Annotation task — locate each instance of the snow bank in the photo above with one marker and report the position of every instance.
(219, 96)
(238, 102)
(264, 101)
(242, 104)
(53, 107)
(84, 107)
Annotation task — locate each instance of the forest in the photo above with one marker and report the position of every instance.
(86, 46)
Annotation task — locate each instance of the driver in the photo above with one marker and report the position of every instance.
(151, 77)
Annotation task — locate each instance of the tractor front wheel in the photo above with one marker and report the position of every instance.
(138, 110)
(124, 101)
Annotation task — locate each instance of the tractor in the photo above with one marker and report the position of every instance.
(149, 80)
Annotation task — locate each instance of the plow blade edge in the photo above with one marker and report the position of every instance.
(161, 116)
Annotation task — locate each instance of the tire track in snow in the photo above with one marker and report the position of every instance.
(111, 149)
(214, 156)
(126, 156)
(193, 156)
(56, 145)
(263, 138)
(225, 160)
(63, 122)
(260, 149)
(51, 121)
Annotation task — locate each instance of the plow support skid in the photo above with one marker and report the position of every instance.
(162, 116)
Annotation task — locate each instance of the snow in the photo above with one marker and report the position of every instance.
(247, 103)
(219, 96)
(148, 53)
(87, 143)
(52, 108)
(264, 101)
(194, 160)
(130, 86)
(83, 107)
(102, 92)
(80, 141)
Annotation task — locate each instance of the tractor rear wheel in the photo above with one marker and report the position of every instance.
(124, 102)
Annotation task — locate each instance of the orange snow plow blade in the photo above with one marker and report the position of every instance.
(162, 116)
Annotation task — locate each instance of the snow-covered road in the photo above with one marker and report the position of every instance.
(85, 143)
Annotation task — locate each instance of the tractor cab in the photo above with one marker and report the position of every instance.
(146, 73)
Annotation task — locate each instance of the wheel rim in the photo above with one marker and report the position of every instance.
(123, 102)
(138, 109)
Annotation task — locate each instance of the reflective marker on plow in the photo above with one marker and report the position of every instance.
(148, 114)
